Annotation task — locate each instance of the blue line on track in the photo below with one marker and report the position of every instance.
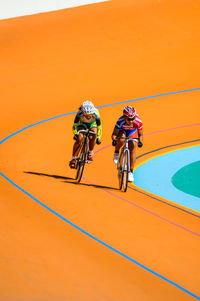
(100, 241)
(103, 106)
(78, 228)
(147, 97)
(29, 126)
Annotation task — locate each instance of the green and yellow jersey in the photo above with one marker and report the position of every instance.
(93, 120)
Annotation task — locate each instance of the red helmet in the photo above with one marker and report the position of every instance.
(129, 112)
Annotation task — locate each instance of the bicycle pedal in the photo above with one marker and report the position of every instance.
(89, 161)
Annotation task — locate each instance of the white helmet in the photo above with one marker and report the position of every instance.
(87, 107)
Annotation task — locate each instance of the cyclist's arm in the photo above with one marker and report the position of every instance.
(116, 129)
(140, 135)
(76, 123)
(99, 126)
(115, 133)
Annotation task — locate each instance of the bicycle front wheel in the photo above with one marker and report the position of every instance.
(81, 163)
(125, 171)
(119, 169)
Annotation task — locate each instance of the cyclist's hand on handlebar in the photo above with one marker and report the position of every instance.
(98, 141)
(75, 137)
(140, 144)
(114, 142)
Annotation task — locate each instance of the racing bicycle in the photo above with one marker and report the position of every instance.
(83, 153)
(123, 165)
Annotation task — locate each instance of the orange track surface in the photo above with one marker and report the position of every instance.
(108, 52)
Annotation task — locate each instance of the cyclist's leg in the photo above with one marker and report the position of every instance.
(92, 141)
(76, 146)
(120, 142)
(132, 149)
(92, 138)
(78, 142)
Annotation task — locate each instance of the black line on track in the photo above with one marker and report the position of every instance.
(157, 199)
(167, 146)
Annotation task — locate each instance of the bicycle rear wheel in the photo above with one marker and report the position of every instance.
(125, 172)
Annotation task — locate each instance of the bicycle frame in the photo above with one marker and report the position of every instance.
(83, 153)
(123, 165)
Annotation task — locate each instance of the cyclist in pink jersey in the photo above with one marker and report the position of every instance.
(128, 125)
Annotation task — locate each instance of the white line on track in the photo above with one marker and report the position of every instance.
(17, 8)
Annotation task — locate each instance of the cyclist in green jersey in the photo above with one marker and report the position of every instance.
(88, 117)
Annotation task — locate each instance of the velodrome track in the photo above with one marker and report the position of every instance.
(63, 241)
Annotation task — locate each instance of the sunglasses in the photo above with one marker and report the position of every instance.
(130, 119)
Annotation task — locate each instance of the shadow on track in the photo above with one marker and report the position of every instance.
(47, 175)
(92, 185)
(71, 180)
